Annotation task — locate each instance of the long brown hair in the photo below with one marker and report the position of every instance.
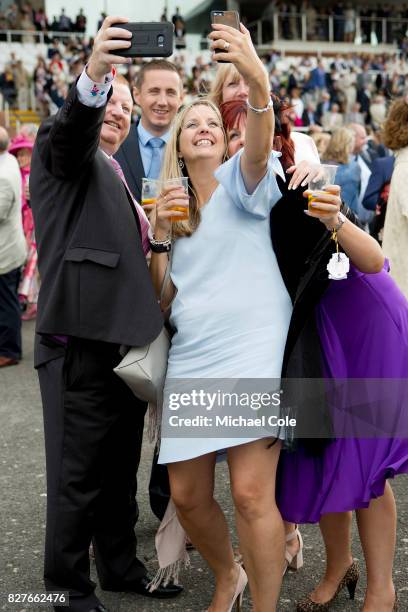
(395, 128)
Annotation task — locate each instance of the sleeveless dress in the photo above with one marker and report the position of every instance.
(363, 328)
(232, 311)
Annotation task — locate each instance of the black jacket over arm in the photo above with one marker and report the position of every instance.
(303, 248)
(95, 281)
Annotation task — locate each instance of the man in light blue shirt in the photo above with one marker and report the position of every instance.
(158, 92)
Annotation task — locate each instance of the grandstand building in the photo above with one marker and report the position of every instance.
(314, 26)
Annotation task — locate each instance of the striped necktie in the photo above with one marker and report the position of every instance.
(144, 223)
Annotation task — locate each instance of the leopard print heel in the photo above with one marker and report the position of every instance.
(349, 581)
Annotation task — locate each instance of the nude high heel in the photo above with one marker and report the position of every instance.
(236, 604)
(294, 562)
(242, 582)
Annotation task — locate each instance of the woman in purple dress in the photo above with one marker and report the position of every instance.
(362, 325)
(363, 328)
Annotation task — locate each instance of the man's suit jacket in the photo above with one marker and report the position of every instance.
(95, 281)
(13, 247)
(381, 173)
(130, 159)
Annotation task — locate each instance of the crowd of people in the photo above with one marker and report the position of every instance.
(344, 15)
(328, 92)
(244, 304)
(25, 17)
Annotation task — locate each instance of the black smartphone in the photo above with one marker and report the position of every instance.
(229, 18)
(154, 39)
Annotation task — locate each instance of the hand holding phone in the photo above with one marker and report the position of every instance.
(108, 40)
(228, 18)
(231, 45)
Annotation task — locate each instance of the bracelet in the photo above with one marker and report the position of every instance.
(160, 246)
(341, 221)
(259, 111)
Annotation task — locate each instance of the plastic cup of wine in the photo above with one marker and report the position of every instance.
(181, 181)
(150, 192)
(318, 185)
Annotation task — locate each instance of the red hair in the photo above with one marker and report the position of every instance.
(234, 112)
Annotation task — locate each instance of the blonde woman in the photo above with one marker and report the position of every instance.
(321, 140)
(231, 314)
(221, 257)
(230, 85)
(348, 174)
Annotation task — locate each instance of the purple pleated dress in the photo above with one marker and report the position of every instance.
(363, 327)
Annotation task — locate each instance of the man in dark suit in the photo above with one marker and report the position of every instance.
(158, 92)
(309, 116)
(96, 294)
(323, 107)
(381, 173)
(376, 193)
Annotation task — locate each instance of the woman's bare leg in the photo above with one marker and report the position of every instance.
(259, 523)
(377, 526)
(192, 489)
(336, 532)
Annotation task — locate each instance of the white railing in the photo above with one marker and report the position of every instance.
(327, 28)
(35, 36)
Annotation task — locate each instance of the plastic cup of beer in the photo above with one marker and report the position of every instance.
(181, 181)
(318, 185)
(150, 192)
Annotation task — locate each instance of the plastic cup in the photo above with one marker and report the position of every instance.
(181, 181)
(318, 185)
(150, 192)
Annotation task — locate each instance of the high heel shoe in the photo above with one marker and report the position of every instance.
(349, 581)
(242, 582)
(239, 591)
(294, 562)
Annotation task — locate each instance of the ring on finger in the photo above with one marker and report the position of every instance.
(226, 45)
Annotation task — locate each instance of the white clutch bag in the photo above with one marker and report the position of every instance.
(144, 368)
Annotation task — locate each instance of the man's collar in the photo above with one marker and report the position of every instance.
(145, 136)
(105, 153)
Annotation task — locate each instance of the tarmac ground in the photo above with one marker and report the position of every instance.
(22, 512)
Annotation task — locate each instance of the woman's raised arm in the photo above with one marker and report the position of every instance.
(236, 47)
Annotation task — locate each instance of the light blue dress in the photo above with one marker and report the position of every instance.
(232, 310)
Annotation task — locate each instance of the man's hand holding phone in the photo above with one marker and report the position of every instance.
(108, 39)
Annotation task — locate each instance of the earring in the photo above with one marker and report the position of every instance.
(181, 163)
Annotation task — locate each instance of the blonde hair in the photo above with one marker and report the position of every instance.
(171, 168)
(321, 140)
(340, 146)
(224, 72)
